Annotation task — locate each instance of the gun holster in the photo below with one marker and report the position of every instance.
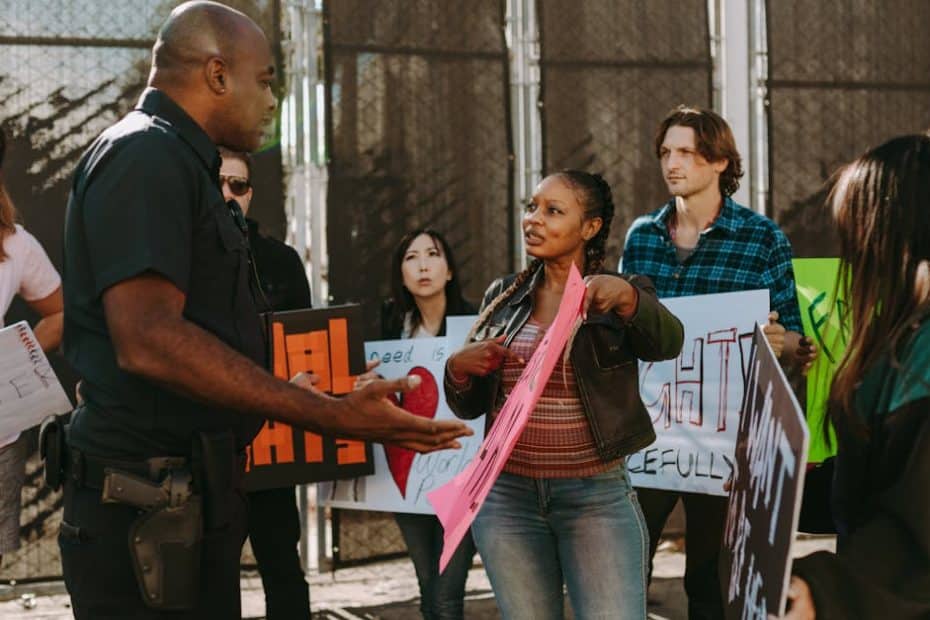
(165, 541)
(165, 549)
(53, 450)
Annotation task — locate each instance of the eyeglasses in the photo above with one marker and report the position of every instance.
(239, 186)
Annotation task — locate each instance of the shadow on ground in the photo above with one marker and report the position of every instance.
(666, 602)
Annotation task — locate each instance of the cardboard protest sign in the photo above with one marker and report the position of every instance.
(458, 501)
(694, 400)
(827, 321)
(765, 495)
(29, 389)
(329, 343)
(402, 478)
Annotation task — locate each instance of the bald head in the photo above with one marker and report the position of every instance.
(195, 32)
(216, 64)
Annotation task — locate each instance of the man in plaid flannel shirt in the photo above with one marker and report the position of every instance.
(703, 242)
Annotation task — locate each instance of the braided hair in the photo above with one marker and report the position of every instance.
(595, 197)
(495, 303)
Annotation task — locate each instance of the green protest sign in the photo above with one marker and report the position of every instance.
(826, 321)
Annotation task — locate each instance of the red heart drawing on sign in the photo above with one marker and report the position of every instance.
(423, 402)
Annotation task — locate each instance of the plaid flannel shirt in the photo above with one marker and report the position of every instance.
(741, 251)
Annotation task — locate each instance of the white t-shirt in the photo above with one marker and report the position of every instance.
(26, 271)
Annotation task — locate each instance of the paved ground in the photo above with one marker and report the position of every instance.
(385, 591)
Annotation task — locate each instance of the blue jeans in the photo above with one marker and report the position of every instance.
(588, 533)
(442, 597)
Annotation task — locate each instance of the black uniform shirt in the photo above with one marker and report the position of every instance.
(146, 198)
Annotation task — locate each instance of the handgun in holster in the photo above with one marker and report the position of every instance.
(165, 541)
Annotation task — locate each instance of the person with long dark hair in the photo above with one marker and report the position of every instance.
(563, 511)
(425, 290)
(425, 287)
(880, 398)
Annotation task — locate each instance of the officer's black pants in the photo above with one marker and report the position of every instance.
(274, 529)
(705, 517)
(98, 569)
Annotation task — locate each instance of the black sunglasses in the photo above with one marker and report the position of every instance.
(239, 186)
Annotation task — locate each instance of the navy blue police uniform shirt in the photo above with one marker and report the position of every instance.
(146, 198)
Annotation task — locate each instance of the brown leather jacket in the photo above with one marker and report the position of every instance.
(605, 358)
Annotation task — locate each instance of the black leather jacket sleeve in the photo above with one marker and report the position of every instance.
(470, 401)
(656, 334)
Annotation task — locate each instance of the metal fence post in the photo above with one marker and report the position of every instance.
(732, 65)
(304, 161)
(523, 40)
(758, 111)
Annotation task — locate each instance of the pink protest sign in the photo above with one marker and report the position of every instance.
(458, 501)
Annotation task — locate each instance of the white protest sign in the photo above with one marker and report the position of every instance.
(402, 477)
(694, 400)
(29, 389)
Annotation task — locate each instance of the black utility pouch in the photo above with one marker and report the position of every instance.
(216, 475)
(165, 546)
(53, 450)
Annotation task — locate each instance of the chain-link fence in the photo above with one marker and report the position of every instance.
(418, 129)
(843, 76)
(68, 69)
(611, 69)
(418, 136)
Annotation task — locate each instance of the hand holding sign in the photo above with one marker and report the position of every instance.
(775, 333)
(806, 354)
(609, 293)
(800, 601)
(481, 358)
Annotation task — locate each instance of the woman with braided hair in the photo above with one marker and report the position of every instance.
(563, 511)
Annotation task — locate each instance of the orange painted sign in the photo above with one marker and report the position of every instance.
(327, 342)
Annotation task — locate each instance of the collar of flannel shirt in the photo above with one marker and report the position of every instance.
(727, 220)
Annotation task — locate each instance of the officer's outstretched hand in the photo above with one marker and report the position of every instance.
(368, 414)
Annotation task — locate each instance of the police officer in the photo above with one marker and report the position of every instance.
(274, 520)
(161, 323)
